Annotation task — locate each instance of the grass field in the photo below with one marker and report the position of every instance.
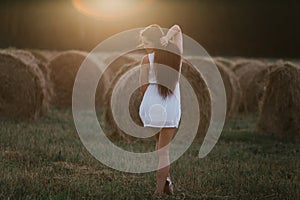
(45, 159)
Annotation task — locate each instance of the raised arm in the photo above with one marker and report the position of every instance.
(144, 71)
(174, 35)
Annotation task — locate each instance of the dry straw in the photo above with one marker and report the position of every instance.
(229, 63)
(63, 70)
(200, 88)
(232, 88)
(43, 55)
(114, 70)
(23, 92)
(280, 107)
(258, 83)
(112, 74)
(42, 65)
(231, 84)
(247, 71)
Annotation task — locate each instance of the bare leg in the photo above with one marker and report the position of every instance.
(165, 136)
(156, 147)
(156, 139)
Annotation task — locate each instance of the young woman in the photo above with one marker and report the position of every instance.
(160, 106)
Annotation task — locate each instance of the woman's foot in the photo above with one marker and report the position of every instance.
(169, 187)
(158, 194)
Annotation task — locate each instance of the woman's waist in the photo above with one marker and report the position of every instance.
(156, 83)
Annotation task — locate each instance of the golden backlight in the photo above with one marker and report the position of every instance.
(110, 9)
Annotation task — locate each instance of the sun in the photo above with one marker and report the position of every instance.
(110, 9)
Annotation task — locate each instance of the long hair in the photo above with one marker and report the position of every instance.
(164, 58)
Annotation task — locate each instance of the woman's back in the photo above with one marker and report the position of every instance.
(151, 74)
(156, 111)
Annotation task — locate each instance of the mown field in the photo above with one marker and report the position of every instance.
(45, 159)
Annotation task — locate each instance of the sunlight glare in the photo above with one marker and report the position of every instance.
(109, 9)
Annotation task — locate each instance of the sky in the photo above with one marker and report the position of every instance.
(223, 27)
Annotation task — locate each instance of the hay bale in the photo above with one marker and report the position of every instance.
(201, 90)
(229, 63)
(232, 88)
(231, 84)
(280, 108)
(39, 55)
(22, 89)
(114, 70)
(63, 70)
(239, 63)
(42, 65)
(113, 73)
(246, 71)
(258, 83)
(44, 55)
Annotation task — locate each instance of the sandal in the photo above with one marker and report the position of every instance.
(169, 187)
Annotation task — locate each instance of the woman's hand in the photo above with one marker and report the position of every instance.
(174, 35)
(164, 41)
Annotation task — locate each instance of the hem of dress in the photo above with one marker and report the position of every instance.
(167, 126)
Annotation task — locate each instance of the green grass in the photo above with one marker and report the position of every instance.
(45, 159)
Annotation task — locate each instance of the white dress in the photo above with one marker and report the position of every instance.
(156, 111)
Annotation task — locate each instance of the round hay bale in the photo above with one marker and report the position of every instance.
(113, 73)
(42, 65)
(229, 63)
(44, 55)
(201, 90)
(39, 55)
(63, 70)
(258, 83)
(240, 63)
(113, 70)
(280, 108)
(246, 71)
(23, 91)
(232, 88)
